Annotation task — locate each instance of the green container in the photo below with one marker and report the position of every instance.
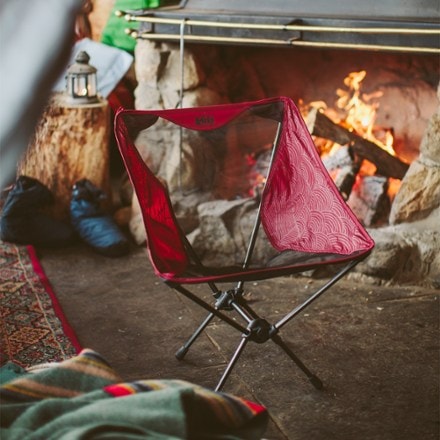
(114, 30)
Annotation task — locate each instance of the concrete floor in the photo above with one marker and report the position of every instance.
(375, 348)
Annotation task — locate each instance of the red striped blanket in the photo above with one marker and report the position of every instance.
(84, 398)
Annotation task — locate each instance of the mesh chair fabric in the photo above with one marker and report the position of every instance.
(301, 210)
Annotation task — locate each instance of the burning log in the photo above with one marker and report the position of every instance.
(343, 167)
(386, 164)
(369, 200)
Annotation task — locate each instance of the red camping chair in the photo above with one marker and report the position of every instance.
(305, 222)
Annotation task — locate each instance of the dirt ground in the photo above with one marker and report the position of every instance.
(375, 348)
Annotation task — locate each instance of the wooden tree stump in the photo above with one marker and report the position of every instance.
(69, 144)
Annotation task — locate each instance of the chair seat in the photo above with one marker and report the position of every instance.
(284, 264)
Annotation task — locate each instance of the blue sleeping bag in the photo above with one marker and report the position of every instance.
(93, 225)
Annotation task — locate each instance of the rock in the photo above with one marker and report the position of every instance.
(136, 224)
(419, 194)
(171, 77)
(430, 145)
(406, 253)
(213, 240)
(202, 96)
(222, 237)
(148, 60)
(147, 97)
(185, 208)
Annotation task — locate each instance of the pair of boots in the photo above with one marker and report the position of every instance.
(24, 222)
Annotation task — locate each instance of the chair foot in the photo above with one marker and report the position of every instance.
(181, 352)
(232, 362)
(316, 382)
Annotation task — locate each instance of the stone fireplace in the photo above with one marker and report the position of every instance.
(404, 87)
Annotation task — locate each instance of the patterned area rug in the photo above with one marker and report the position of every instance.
(33, 327)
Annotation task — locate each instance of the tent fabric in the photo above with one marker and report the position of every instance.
(30, 66)
(302, 209)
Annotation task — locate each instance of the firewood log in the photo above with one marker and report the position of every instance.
(386, 164)
(343, 167)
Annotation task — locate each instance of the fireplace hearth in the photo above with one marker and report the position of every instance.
(405, 225)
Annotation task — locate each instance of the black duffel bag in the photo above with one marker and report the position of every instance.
(23, 220)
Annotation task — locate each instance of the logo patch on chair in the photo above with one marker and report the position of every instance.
(205, 120)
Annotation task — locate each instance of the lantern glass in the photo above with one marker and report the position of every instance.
(81, 84)
(91, 85)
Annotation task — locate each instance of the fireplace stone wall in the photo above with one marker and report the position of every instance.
(407, 250)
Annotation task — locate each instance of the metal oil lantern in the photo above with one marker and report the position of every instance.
(81, 84)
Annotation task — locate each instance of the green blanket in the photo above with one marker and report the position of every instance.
(83, 398)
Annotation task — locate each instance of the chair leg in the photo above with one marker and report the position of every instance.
(232, 362)
(315, 381)
(181, 352)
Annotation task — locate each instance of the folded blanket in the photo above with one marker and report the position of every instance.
(84, 398)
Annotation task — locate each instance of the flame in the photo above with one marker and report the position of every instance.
(361, 111)
(257, 180)
(361, 114)
(357, 111)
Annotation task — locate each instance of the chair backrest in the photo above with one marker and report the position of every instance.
(165, 245)
(301, 208)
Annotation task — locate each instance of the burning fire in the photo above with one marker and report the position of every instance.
(357, 111)
(361, 111)
(257, 165)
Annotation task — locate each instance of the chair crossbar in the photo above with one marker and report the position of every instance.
(206, 306)
(257, 222)
(258, 329)
(316, 295)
